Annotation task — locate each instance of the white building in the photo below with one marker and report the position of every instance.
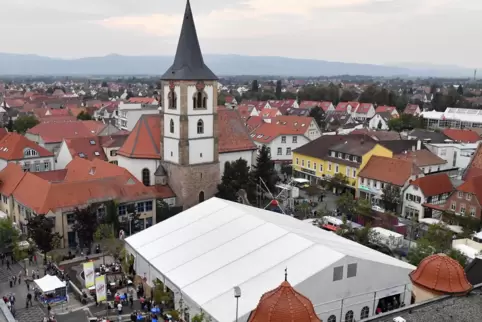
(30, 156)
(129, 113)
(457, 155)
(454, 118)
(379, 122)
(205, 251)
(364, 111)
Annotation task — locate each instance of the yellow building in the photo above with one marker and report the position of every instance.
(329, 155)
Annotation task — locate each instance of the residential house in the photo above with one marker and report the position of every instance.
(231, 102)
(298, 111)
(322, 159)
(324, 105)
(381, 171)
(412, 109)
(305, 124)
(128, 114)
(50, 135)
(144, 100)
(89, 148)
(425, 160)
(462, 135)
(337, 120)
(427, 136)
(327, 106)
(425, 197)
(467, 198)
(268, 113)
(56, 195)
(379, 135)
(363, 112)
(380, 121)
(15, 148)
(388, 109)
(107, 113)
(457, 155)
(347, 107)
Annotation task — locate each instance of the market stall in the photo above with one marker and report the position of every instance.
(52, 290)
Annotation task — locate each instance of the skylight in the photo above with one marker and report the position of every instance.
(82, 155)
(96, 153)
(92, 142)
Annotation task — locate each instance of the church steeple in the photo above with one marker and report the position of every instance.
(189, 62)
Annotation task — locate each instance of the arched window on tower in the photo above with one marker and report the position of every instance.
(200, 127)
(201, 196)
(171, 126)
(365, 312)
(172, 97)
(146, 177)
(199, 100)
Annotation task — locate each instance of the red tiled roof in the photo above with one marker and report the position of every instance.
(310, 104)
(411, 109)
(421, 158)
(3, 132)
(267, 132)
(326, 105)
(269, 112)
(233, 135)
(144, 142)
(51, 119)
(81, 169)
(472, 185)
(253, 122)
(13, 145)
(434, 185)
(463, 136)
(52, 176)
(393, 171)
(364, 108)
(142, 100)
(384, 108)
(53, 132)
(10, 177)
(86, 148)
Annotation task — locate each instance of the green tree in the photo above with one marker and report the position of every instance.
(278, 89)
(318, 115)
(346, 204)
(41, 230)
(85, 225)
(264, 170)
(106, 237)
(368, 95)
(338, 182)
(10, 125)
(363, 208)
(348, 96)
(221, 99)
(111, 215)
(23, 123)
(460, 90)
(391, 197)
(235, 177)
(84, 116)
(8, 234)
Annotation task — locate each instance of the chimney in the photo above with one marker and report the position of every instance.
(92, 171)
(419, 145)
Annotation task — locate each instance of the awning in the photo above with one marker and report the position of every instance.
(49, 283)
(432, 206)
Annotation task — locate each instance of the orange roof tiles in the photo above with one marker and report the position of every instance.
(284, 304)
(441, 273)
(411, 109)
(87, 148)
(421, 158)
(269, 112)
(13, 145)
(80, 169)
(472, 185)
(393, 171)
(3, 132)
(233, 135)
(464, 136)
(434, 185)
(384, 108)
(142, 100)
(144, 142)
(53, 132)
(10, 177)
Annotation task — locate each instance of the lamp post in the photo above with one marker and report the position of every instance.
(237, 295)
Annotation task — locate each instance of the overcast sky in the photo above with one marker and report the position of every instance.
(364, 31)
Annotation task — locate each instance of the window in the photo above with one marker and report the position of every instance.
(70, 219)
(351, 271)
(201, 196)
(337, 273)
(283, 139)
(92, 142)
(4, 199)
(365, 312)
(82, 155)
(199, 99)
(309, 164)
(280, 151)
(443, 152)
(347, 172)
(354, 174)
(314, 165)
(460, 195)
(472, 211)
(462, 208)
(468, 196)
(37, 167)
(144, 206)
(302, 163)
(297, 161)
(113, 153)
(200, 127)
(321, 167)
(26, 166)
(26, 152)
(114, 162)
(96, 153)
(269, 150)
(435, 198)
(339, 155)
(329, 166)
(146, 177)
(453, 206)
(349, 316)
(332, 318)
(288, 151)
(295, 139)
(100, 212)
(122, 210)
(46, 165)
(336, 168)
(172, 98)
(171, 126)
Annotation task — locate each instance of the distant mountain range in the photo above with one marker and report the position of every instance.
(222, 65)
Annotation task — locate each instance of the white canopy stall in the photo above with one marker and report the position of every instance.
(53, 289)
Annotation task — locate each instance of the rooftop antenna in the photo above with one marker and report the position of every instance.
(286, 274)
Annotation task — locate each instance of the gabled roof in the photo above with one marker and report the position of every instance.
(364, 108)
(421, 158)
(188, 62)
(384, 108)
(144, 142)
(87, 148)
(463, 136)
(233, 135)
(411, 109)
(393, 171)
(320, 147)
(10, 177)
(53, 132)
(434, 185)
(472, 185)
(81, 169)
(13, 146)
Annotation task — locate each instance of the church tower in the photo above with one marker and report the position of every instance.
(189, 125)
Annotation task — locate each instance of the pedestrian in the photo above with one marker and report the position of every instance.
(29, 299)
(8, 265)
(14, 279)
(2, 257)
(131, 300)
(119, 308)
(28, 285)
(48, 309)
(19, 277)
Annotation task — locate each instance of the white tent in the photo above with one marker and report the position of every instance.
(205, 251)
(49, 283)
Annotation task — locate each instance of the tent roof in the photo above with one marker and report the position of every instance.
(218, 244)
(49, 283)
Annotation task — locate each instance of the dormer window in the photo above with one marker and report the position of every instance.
(30, 153)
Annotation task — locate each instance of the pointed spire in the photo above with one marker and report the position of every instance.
(286, 274)
(189, 62)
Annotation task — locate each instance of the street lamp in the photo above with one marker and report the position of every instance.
(237, 295)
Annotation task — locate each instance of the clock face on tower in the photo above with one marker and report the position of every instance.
(200, 86)
(171, 85)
